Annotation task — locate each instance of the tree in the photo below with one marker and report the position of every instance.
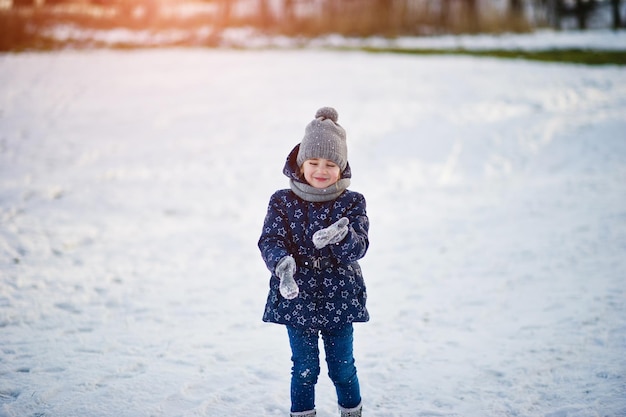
(472, 15)
(581, 14)
(617, 18)
(265, 15)
(223, 14)
(23, 3)
(516, 9)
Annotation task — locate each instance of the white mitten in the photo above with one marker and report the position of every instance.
(285, 270)
(334, 233)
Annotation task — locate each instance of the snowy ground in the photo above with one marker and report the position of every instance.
(249, 38)
(133, 186)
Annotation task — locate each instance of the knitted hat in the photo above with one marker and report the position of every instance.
(324, 138)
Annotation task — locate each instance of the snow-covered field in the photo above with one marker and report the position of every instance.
(133, 186)
(249, 38)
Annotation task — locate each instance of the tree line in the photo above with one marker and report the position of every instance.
(385, 17)
(409, 16)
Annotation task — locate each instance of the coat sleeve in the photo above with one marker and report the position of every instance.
(356, 242)
(273, 242)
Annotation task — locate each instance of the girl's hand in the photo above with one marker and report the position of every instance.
(285, 270)
(334, 233)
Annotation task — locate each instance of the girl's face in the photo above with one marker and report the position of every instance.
(320, 172)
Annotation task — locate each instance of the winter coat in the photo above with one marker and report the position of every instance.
(332, 290)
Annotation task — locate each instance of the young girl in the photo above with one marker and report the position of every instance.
(312, 237)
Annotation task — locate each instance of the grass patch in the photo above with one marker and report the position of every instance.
(570, 56)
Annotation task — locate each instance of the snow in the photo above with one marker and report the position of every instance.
(250, 38)
(539, 40)
(133, 186)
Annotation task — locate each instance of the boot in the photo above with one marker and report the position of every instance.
(310, 413)
(351, 412)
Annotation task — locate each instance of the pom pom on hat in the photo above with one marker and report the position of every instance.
(324, 138)
(327, 113)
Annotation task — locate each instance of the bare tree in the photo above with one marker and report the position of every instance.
(223, 14)
(581, 15)
(553, 12)
(617, 18)
(472, 15)
(444, 13)
(23, 3)
(516, 9)
(381, 15)
(265, 14)
(288, 11)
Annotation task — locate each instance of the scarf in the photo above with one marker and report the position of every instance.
(318, 195)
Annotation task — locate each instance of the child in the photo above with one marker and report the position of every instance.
(312, 237)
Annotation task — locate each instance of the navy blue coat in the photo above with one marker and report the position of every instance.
(330, 296)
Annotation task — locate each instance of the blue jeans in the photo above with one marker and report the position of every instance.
(306, 366)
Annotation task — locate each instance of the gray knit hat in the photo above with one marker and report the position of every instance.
(324, 138)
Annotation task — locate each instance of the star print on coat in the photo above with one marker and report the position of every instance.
(288, 230)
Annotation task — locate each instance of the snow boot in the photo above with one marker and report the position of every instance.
(351, 412)
(310, 413)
